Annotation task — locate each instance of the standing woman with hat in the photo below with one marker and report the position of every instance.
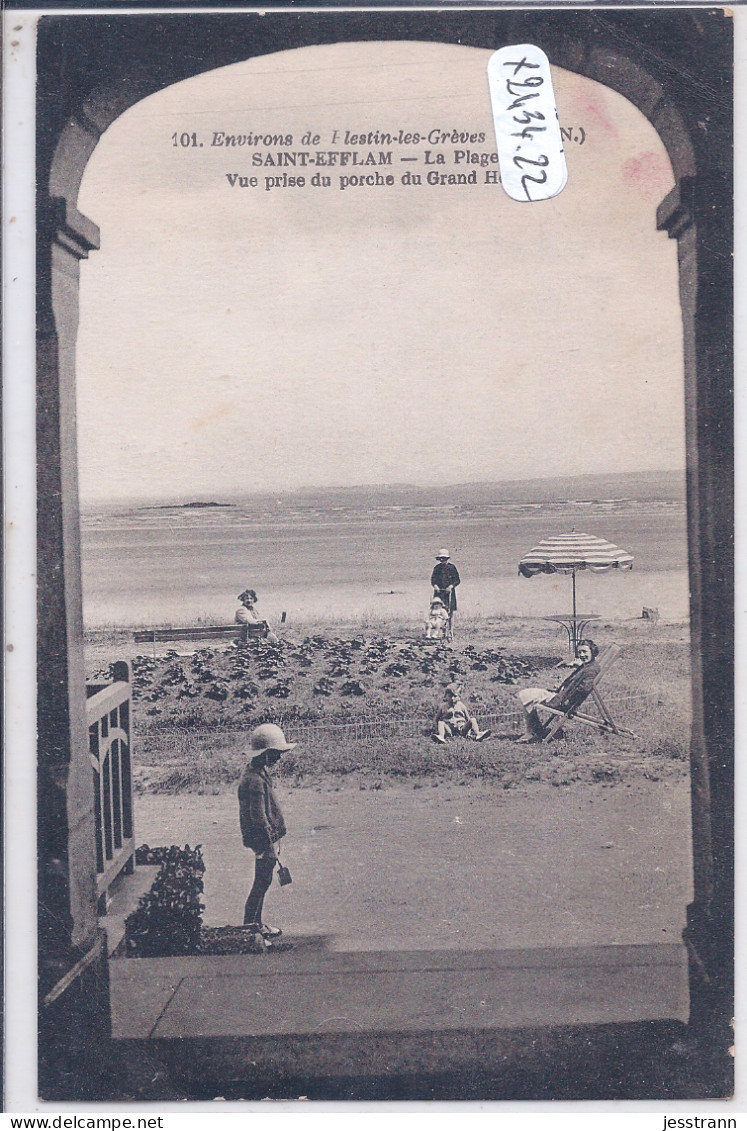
(262, 824)
(444, 579)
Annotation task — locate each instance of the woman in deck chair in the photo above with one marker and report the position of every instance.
(571, 692)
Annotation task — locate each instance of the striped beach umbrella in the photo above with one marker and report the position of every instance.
(568, 553)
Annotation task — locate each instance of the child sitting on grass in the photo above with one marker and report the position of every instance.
(454, 719)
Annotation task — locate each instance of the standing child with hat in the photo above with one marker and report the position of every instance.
(262, 824)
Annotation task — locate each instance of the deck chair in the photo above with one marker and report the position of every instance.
(569, 711)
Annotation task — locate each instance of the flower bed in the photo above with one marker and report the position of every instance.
(168, 920)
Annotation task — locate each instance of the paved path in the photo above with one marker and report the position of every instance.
(315, 991)
(436, 930)
(455, 867)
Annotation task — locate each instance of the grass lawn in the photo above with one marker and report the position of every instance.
(360, 701)
(398, 843)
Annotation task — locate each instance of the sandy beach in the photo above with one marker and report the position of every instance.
(176, 566)
(615, 596)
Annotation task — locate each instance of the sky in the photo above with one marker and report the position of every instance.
(235, 340)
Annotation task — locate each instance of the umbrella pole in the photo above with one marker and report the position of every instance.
(575, 641)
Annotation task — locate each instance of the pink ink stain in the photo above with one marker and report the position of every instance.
(649, 173)
(592, 110)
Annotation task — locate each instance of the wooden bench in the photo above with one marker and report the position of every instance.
(242, 632)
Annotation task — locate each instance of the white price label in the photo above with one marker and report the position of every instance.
(527, 133)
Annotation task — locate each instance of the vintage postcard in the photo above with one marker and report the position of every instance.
(384, 553)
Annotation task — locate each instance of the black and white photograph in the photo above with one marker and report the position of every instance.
(385, 623)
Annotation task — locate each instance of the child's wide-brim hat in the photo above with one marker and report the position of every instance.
(267, 737)
(443, 554)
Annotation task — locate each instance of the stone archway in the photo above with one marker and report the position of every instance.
(91, 71)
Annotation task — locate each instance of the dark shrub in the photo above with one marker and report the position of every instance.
(168, 919)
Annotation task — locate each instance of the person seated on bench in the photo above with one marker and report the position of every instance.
(453, 718)
(571, 692)
(247, 614)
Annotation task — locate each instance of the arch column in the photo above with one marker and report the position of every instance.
(691, 215)
(90, 71)
(74, 1018)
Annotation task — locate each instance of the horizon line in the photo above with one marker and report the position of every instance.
(219, 496)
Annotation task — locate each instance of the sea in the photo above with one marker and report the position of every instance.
(326, 560)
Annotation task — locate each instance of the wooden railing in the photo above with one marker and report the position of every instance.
(109, 718)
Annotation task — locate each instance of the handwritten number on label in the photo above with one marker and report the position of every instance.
(528, 132)
(520, 101)
(530, 148)
(542, 160)
(528, 116)
(533, 80)
(517, 66)
(537, 181)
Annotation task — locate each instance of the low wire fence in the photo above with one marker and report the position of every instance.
(507, 720)
(388, 727)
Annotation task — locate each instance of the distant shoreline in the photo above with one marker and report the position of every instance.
(305, 509)
(184, 506)
(641, 486)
